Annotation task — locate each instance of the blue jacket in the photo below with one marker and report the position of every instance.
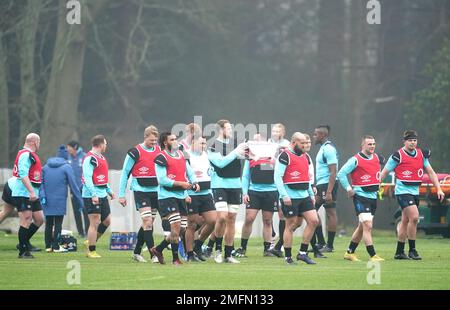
(57, 174)
(77, 165)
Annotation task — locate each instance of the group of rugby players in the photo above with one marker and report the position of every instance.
(198, 187)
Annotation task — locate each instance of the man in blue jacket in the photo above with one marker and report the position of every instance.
(75, 155)
(57, 174)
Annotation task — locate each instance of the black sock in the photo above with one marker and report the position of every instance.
(412, 244)
(101, 228)
(331, 235)
(140, 241)
(244, 244)
(198, 245)
(165, 225)
(304, 247)
(319, 234)
(352, 247)
(22, 234)
(266, 246)
(228, 250)
(400, 247)
(211, 243)
(281, 227)
(163, 245)
(219, 243)
(31, 231)
(148, 238)
(313, 241)
(287, 252)
(174, 246)
(92, 248)
(370, 250)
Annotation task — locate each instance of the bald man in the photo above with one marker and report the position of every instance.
(25, 192)
(296, 195)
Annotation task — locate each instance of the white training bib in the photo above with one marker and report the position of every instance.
(201, 166)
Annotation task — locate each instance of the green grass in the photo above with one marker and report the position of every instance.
(115, 270)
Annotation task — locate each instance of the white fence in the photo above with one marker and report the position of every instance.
(128, 219)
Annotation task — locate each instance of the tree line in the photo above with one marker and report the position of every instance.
(300, 62)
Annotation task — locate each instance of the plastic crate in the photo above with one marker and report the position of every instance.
(122, 241)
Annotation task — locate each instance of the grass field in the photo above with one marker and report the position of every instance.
(115, 270)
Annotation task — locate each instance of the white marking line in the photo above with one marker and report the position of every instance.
(123, 281)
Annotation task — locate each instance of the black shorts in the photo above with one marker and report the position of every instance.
(298, 207)
(145, 200)
(6, 195)
(172, 205)
(364, 205)
(406, 200)
(201, 204)
(232, 196)
(265, 201)
(24, 204)
(102, 208)
(321, 194)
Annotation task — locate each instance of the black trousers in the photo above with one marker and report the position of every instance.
(79, 217)
(53, 227)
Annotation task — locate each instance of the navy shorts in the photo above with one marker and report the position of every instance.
(321, 194)
(232, 196)
(6, 195)
(201, 204)
(298, 207)
(24, 204)
(364, 205)
(265, 201)
(407, 200)
(145, 200)
(172, 205)
(101, 208)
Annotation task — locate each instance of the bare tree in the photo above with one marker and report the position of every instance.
(358, 80)
(60, 118)
(4, 115)
(26, 34)
(329, 62)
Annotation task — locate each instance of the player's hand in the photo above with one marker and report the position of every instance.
(287, 201)
(329, 198)
(351, 193)
(186, 185)
(113, 196)
(123, 201)
(95, 200)
(440, 195)
(33, 197)
(246, 199)
(313, 199)
(240, 149)
(196, 187)
(188, 200)
(314, 190)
